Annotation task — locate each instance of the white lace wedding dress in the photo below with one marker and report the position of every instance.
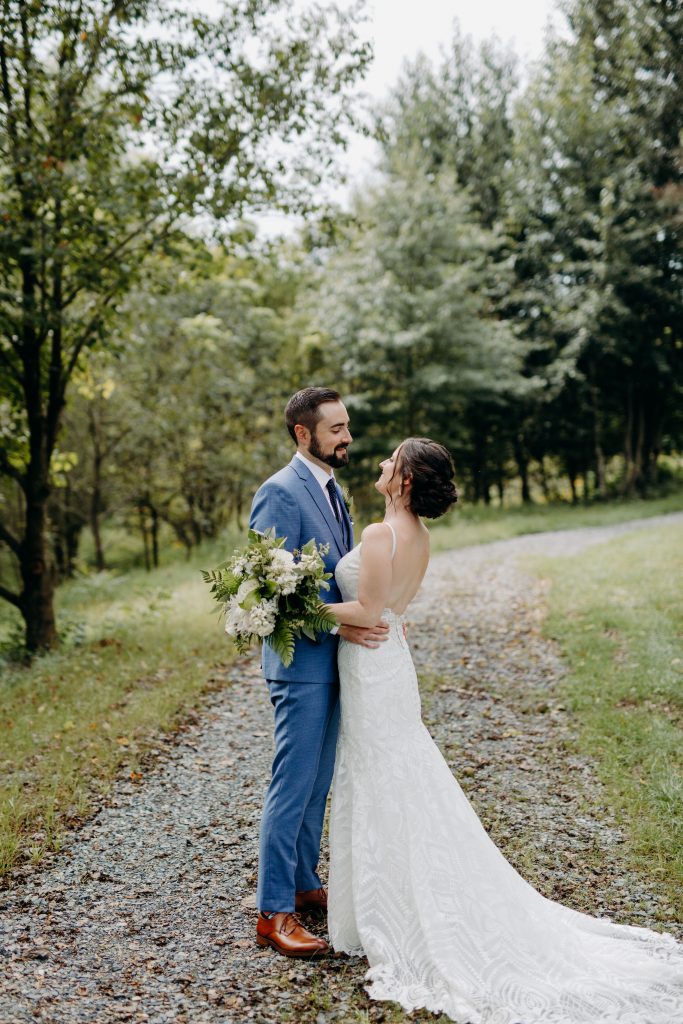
(417, 886)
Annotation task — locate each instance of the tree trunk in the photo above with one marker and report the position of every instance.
(572, 485)
(476, 487)
(626, 483)
(652, 458)
(145, 535)
(600, 475)
(155, 536)
(73, 536)
(182, 535)
(37, 598)
(67, 522)
(585, 477)
(38, 578)
(633, 453)
(239, 507)
(638, 455)
(61, 557)
(96, 496)
(100, 563)
(544, 479)
(59, 519)
(522, 468)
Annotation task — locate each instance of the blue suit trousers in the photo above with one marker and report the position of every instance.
(306, 727)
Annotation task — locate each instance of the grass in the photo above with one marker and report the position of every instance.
(481, 524)
(141, 651)
(617, 613)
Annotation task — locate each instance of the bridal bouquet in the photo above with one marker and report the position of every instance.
(268, 593)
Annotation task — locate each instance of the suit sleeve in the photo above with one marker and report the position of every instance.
(275, 507)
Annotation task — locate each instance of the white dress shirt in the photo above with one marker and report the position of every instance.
(320, 474)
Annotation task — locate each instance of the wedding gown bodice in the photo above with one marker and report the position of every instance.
(418, 887)
(386, 665)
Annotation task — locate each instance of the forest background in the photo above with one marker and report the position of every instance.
(508, 282)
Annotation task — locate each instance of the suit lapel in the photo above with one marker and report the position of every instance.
(315, 491)
(313, 488)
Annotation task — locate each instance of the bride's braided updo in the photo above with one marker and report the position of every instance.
(430, 467)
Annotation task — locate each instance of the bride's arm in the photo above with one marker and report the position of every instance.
(374, 582)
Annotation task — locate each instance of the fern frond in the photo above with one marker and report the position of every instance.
(321, 620)
(282, 642)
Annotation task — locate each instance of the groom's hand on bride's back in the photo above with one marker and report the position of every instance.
(366, 636)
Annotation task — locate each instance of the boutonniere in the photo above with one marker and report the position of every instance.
(348, 502)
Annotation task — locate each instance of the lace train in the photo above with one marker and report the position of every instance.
(419, 888)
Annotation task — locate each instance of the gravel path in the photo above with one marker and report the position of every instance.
(147, 915)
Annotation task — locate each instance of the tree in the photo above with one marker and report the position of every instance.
(213, 342)
(403, 307)
(581, 181)
(120, 121)
(90, 435)
(599, 233)
(456, 116)
(178, 419)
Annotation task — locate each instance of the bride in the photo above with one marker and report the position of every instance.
(416, 885)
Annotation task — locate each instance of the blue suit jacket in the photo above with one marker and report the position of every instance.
(293, 503)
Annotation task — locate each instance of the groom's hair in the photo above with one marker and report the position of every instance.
(303, 408)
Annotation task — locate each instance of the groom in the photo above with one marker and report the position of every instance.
(303, 501)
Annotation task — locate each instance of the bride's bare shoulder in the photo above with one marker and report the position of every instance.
(377, 532)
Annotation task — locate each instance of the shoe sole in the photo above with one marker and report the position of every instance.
(261, 940)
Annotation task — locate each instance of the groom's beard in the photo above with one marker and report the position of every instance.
(338, 458)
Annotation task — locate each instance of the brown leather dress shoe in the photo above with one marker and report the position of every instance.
(285, 933)
(312, 900)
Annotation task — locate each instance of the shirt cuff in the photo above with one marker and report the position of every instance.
(334, 630)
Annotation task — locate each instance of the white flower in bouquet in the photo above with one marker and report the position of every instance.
(235, 617)
(285, 572)
(272, 594)
(282, 557)
(262, 617)
(246, 614)
(308, 563)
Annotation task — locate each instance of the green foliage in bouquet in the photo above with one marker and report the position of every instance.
(269, 593)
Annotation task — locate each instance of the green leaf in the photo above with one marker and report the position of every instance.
(282, 642)
(250, 601)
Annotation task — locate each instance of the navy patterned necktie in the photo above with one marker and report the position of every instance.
(334, 499)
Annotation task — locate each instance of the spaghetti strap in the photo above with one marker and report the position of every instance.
(393, 539)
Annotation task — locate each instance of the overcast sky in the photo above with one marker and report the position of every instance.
(401, 29)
